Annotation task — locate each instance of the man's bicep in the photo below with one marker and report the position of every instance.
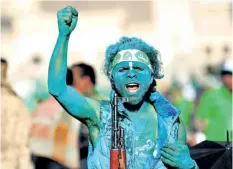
(77, 105)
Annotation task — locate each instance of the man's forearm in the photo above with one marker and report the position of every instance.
(58, 67)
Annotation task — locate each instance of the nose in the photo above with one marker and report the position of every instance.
(131, 74)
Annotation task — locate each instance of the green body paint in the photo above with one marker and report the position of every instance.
(140, 75)
(146, 130)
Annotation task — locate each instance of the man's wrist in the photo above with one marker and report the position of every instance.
(194, 165)
(191, 165)
(63, 36)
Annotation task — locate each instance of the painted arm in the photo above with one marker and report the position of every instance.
(177, 154)
(181, 133)
(74, 103)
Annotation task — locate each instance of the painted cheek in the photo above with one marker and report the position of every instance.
(146, 80)
(145, 77)
(119, 80)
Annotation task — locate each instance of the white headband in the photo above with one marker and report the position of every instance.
(131, 55)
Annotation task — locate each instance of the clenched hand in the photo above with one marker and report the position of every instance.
(67, 20)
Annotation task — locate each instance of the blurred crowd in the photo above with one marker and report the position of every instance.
(206, 107)
(36, 133)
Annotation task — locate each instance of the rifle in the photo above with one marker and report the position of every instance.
(117, 153)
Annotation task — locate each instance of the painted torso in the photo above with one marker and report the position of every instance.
(140, 138)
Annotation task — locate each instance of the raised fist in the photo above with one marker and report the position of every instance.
(67, 20)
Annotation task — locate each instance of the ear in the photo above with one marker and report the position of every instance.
(86, 80)
(152, 78)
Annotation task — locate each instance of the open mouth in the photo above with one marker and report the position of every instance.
(132, 87)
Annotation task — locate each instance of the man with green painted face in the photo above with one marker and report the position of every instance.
(154, 135)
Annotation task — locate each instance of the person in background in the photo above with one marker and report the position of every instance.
(54, 135)
(30, 85)
(15, 125)
(84, 82)
(185, 103)
(215, 107)
(183, 98)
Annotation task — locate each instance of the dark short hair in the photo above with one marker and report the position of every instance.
(3, 60)
(225, 72)
(69, 77)
(86, 70)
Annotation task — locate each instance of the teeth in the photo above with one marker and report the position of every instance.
(133, 90)
(132, 84)
(132, 87)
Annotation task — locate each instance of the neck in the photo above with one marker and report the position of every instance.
(229, 89)
(88, 92)
(133, 108)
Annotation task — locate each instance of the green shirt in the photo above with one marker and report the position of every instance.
(216, 107)
(186, 107)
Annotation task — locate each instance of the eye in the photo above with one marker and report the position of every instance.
(124, 69)
(138, 68)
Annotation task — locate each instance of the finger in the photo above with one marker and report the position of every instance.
(71, 10)
(61, 14)
(167, 161)
(168, 156)
(182, 145)
(67, 9)
(66, 13)
(74, 11)
(65, 16)
(60, 17)
(74, 22)
(179, 144)
(172, 146)
(170, 151)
